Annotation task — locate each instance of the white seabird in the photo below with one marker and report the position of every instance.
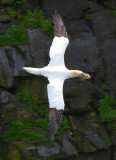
(56, 72)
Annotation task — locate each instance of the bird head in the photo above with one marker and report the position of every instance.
(77, 73)
(85, 76)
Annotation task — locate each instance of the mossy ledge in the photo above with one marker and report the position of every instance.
(17, 35)
(107, 110)
(34, 127)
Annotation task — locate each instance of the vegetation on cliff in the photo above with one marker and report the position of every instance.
(17, 35)
(107, 110)
(114, 12)
(19, 129)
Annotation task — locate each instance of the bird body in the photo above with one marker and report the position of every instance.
(52, 73)
(57, 73)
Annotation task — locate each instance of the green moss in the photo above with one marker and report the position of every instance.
(18, 130)
(24, 94)
(11, 11)
(114, 12)
(17, 35)
(33, 102)
(112, 125)
(87, 16)
(107, 110)
(108, 141)
(64, 124)
(19, 2)
(104, 87)
(34, 19)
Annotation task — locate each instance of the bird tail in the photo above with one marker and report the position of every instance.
(31, 70)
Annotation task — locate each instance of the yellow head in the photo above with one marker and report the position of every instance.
(77, 73)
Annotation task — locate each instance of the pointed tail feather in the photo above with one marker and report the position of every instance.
(31, 70)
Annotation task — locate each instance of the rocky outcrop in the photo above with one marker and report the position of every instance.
(92, 49)
(12, 59)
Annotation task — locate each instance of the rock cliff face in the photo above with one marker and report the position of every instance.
(91, 26)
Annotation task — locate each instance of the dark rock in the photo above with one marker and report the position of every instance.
(39, 45)
(114, 152)
(64, 7)
(4, 27)
(113, 137)
(70, 10)
(30, 148)
(5, 97)
(0, 131)
(99, 155)
(102, 28)
(96, 140)
(75, 28)
(24, 51)
(82, 53)
(78, 95)
(6, 75)
(94, 6)
(19, 149)
(67, 147)
(7, 113)
(17, 57)
(93, 132)
(45, 151)
(110, 4)
(73, 12)
(12, 59)
(109, 49)
(14, 111)
(6, 1)
(4, 18)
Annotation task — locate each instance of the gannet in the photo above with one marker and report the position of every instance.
(57, 73)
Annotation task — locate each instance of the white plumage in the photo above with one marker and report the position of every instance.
(57, 51)
(56, 72)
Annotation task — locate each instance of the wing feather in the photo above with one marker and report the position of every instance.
(60, 42)
(54, 120)
(59, 27)
(56, 104)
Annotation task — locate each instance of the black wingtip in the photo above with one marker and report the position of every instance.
(54, 120)
(56, 14)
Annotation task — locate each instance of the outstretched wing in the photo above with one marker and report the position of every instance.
(59, 27)
(56, 104)
(54, 120)
(59, 43)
